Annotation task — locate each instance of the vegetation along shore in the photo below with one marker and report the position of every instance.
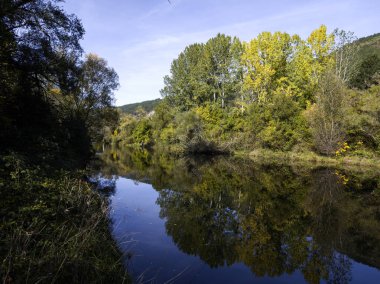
(315, 99)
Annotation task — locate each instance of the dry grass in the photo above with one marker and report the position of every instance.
(313, 160)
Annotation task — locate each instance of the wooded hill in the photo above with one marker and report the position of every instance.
(147, 106)
(369, 45)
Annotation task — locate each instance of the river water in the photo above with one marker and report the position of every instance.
(229, 220)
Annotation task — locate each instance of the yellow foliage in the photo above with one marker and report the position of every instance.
(344, 147)
(321, 44)
(265, 58)
(272, 59)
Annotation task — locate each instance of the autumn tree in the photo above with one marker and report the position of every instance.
(326, 116)
(265, 60)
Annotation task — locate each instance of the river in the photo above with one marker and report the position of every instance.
(229, 220)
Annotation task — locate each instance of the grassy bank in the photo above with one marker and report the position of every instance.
(54, 228)
(312, 159)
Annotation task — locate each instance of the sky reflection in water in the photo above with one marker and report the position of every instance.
(231, 221)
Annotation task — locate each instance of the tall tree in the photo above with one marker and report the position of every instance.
(265, 59)
(221, 62)
(94, 97)
(346, 54)
(182, 87)
(321, 45)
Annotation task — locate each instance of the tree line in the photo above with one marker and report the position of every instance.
(277, 91)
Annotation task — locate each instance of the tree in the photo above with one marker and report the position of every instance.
(94, 95)
(183, 87)
(346, 53)
(300, 70)
(265, 60)
(221, 64)
(321, 45)
(326, 116)
(364, 117)
(205, 73)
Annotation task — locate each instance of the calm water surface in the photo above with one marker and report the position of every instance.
(227, 220)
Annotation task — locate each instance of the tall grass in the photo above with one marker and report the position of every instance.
(54, 229)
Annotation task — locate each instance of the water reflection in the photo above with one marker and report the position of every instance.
(276, 220)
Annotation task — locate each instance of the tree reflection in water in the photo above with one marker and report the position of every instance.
(275, 219)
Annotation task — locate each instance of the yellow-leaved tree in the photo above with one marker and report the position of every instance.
(265, 59)
(321, 45)
(274, 58)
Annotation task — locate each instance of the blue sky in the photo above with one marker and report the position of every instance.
(140, 38)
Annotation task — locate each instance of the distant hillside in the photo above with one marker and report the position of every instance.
(368, 68)
(369, 45)
(148, 106)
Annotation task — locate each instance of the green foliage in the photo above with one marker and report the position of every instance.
(142, 133)
(369, 45)
(94, 96)
(184, 87)
(190, 134)
(278, 124)
(205, 73)
(368, 62)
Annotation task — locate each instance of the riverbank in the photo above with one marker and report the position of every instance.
(311, 159)
(54, 228)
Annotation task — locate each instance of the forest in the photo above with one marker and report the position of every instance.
(277, 92)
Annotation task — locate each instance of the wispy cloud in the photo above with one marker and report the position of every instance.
(141, 38)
